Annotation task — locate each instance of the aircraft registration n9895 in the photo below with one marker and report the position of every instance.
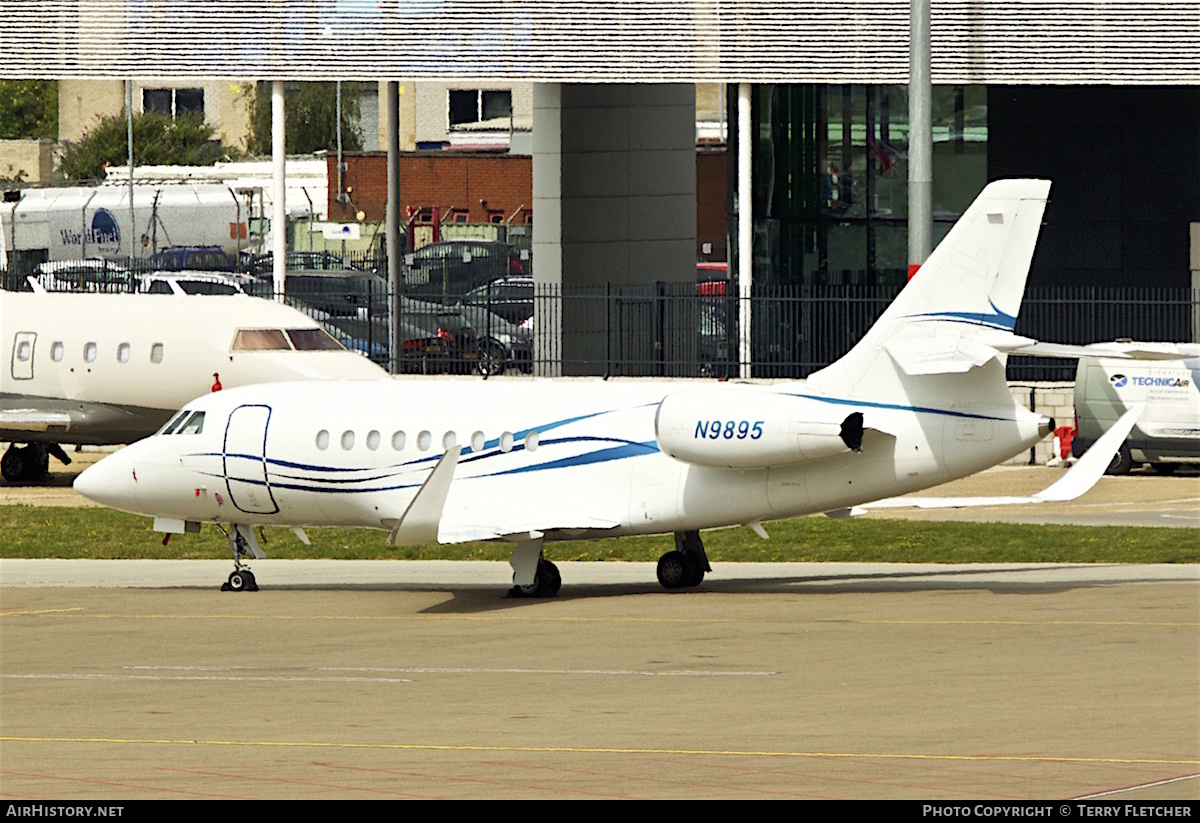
(920, 400)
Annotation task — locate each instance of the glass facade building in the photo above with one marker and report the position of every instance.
(830, 195)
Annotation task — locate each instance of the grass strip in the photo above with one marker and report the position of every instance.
(42, 532)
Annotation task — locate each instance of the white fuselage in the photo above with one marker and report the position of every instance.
(565, 454)
(111, 368)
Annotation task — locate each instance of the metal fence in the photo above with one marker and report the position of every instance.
(665, 329)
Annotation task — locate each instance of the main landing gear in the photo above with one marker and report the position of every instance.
(533, 574)
(684, 568)
(26, 464)
(242, 544)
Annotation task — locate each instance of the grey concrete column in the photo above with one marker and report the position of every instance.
(547, 227)
(278, 189)
(614, 194)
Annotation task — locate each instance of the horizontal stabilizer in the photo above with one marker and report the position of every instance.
(1078, 479)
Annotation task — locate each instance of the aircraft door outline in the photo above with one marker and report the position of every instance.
(244, 460)
(22, 355)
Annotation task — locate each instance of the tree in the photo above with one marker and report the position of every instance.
(157, 140)
(28, 109)
(310, 118)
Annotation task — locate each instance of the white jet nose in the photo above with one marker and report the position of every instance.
(110, 482)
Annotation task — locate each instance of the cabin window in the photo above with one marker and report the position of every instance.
(424, 440)
(531, 441)
(313, 340)
(260, 340)
(123, 353)
(56, 351)
(156, 353)
(506, 442)
(89, 352)
(373, 440)
(347, 440)
(24, 350)
(322, 440)
(449, 440)
(194, 424)
(172, 424)
(398, 441)
(478, 441)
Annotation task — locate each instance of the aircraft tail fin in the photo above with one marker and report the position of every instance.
(960, 308)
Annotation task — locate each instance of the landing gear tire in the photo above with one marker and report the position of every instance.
(1122, 461)
(240, 581)
(546, 582)
(677, 571)
(25, 464)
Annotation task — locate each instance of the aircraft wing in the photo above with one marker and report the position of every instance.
(33, 420)
(429, 518)
(1075, 482)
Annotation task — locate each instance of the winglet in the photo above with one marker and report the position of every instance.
(419, 524)
(1084, 474)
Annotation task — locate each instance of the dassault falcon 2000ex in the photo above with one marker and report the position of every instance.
(920, 400)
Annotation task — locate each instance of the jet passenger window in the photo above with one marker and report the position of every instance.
(313, 340)
(156, 353)
(56, 351)
(260, 340)
(194, 425)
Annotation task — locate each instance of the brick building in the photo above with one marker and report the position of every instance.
(486, 187)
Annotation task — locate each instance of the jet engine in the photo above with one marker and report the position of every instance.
(744, 428)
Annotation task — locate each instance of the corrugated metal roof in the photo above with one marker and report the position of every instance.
(838, 41)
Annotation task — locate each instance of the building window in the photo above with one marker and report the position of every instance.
(469, 106)
(173, 102)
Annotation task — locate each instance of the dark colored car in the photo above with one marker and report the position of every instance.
(508, 297)
(264, 265)
(450, 269)
(193, 258)
(336, 293)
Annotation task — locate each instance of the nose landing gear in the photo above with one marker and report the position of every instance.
(242, 544)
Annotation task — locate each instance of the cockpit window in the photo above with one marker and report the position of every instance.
(260, 340)
(174, 422)
(313, 340)
(194, 425)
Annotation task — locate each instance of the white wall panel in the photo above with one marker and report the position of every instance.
(976, 41)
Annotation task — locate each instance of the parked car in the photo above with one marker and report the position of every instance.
(452, 268)
(191, 283)
(1166, 434)
(264, 264)
(193, 258)
(337, 293)
(502, 344)
(88, 274)
(509, 297)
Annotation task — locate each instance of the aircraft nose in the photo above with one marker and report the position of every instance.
(110, 482)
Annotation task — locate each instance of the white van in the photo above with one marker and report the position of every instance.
(1168, 432)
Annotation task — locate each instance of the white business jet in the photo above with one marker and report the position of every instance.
(920, 400)
(100, 369)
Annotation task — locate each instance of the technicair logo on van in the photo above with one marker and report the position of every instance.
(103, 234)
(1120, 381)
